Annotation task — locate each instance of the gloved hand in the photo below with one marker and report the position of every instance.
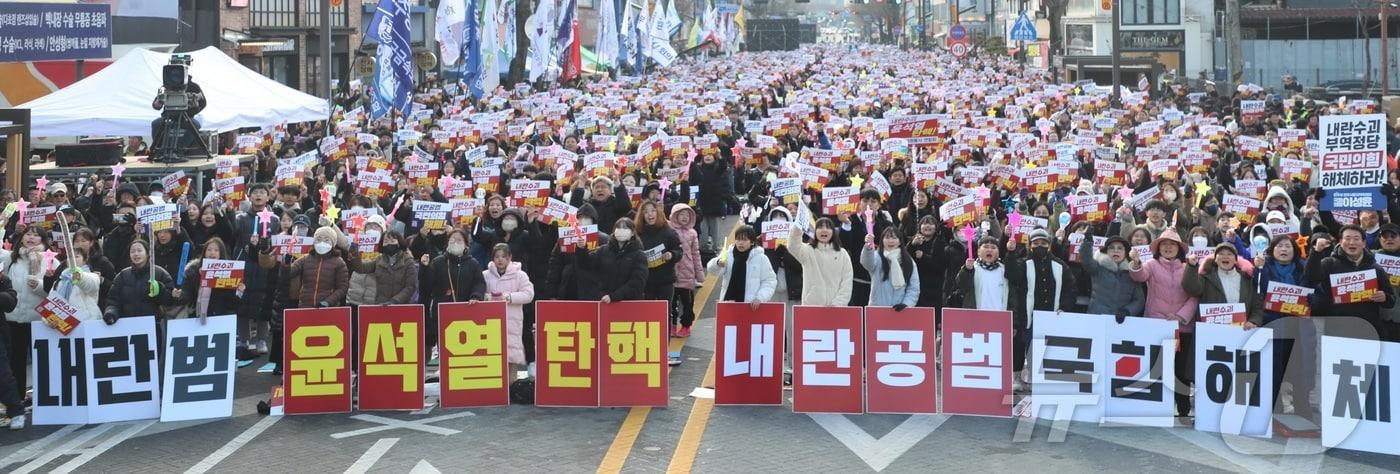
(1120, 317)
(109, 317)
(900, 307)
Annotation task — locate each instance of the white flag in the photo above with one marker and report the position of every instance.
(490, 62)
(540, 28)
(451, 16)
(605, 49)
(673, 20)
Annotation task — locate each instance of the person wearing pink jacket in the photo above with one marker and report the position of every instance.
(505, 281)
(1166, 299)
(689, 271)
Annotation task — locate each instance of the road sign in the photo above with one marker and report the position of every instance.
(957, 32)
(1023, 30)
(959, 49)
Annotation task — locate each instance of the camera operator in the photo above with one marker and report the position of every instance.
(197, 103)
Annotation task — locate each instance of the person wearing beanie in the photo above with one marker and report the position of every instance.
(1220, 280)
(1039, 282)
(321, 278)
(1113, 289)
(1166, 299)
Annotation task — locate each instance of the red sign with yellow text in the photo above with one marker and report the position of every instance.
(826, 360)
(472, 354)
(391, 357)
(566, 355)
(749, 354)
(634, 343)
(899, 361)
(317, 373)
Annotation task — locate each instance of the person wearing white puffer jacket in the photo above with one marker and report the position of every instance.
(25, 267)
(746, 276)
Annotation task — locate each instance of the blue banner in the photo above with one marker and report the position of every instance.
(54, 32)
(1352, 199)
(471, 44)
(393, 66)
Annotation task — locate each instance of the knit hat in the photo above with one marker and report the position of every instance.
(1226, 246)
(1039, 233)
(327, 233)
(375, 220)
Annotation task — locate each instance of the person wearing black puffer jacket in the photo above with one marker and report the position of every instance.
(611, 203)
(131, 295)
(453, 277)
(662, 248)
(620, 265)
(568, 279)
(9, 387)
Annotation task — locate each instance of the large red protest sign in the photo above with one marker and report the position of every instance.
(900, 371)
(826, 360)
(976, 362)
(391, 357)
(633, 370)
(749, 343)
(472, 354)
(566, 354)
(916, 129)
(317, 375)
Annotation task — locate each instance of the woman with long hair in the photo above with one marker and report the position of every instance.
(893, 279)
(826, 267)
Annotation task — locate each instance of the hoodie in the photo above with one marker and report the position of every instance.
(688, 270)
(1290, 212)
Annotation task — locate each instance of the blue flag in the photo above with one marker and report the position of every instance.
(393, 66)
(471, 68)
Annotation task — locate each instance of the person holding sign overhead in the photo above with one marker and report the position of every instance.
(826, 268)
(1350, 283)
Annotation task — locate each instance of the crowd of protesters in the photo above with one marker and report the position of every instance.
(706, 139)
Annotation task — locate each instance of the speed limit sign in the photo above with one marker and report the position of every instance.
(959, 49)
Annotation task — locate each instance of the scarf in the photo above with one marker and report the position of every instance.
(895, 268)
(989, 266)
(738, 274)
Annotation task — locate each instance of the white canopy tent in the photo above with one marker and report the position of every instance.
(117, 100)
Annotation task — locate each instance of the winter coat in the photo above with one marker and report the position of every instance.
(1322, 265)
(1113, 290)
(661, 272)
(882, 291)
(130, 293)
(1273, 271)
(929, 261)
(515, 284)
(83, 294)
(1166, 299)
(621, 269)
(167, 255)
(452, 279)
(1021, 275)
(221, 302)
(687, 268)
(19, 268)
(7, 294)
(609, 210)
(394, 279)
(759, 279)
(713, 180)
(1206, 286)
(316, 278)
(826, 272)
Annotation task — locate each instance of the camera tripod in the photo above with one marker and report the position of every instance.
(169, 149)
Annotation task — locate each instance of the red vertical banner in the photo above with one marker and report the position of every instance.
(900, 370)
(634, 342)
(472, 355)
(976, 362)
(317, 356)
(391, 357)
(826, 360)
(566, 353)
(749, 368)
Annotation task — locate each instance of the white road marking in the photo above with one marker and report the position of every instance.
(214, 458)
(106, 444)
(371, 456)
(879, 453)
(415, 425)
(28, 452)
(72, 444)
(424, 467)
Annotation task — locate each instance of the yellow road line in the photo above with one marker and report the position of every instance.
(636, 418)
(689, 443)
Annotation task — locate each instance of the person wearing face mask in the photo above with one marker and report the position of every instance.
(567, 279)
(1167, 300)
(321, 278)
(893, 281)
(1349, 255)
(1278, 200)
(1039, 282)
(515, 231)
(688, 271)
(1113, 289)
(620, 265)
(363, 285)
(453, 277)
(746, 276)
(1295, 338)
(394, 273)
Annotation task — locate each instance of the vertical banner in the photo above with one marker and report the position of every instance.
(566, 353)
(976, 362)
(900, 370)
(634, 343)
(198, 368)
(472, 355)
(1141, 370)
(124, 375)
(750, 346)
(391, 357)
(317, 357)
(1352, 163)
(1067, 364)
(60, 375)
(826, 360)
(1234, 380)
(1359, 395)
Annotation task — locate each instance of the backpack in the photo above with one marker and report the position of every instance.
(522, 392)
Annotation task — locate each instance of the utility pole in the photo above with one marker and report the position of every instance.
(326, 51)
(1232, 43)
(1115, 40)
